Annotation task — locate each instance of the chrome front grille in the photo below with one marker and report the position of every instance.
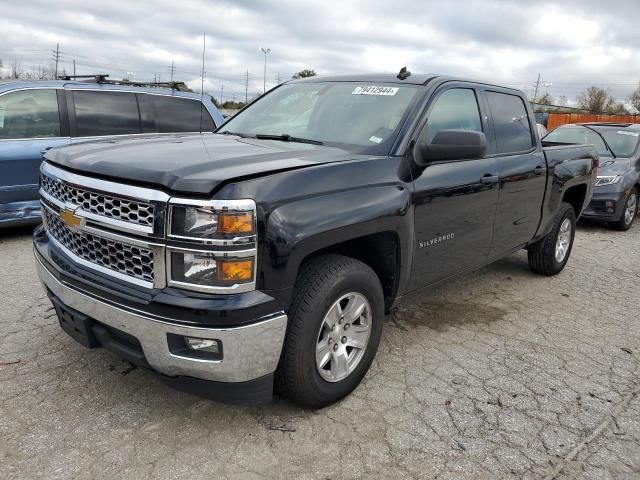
(98, 203)
(129, 260)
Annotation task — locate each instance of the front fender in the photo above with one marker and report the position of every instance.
(295, 230)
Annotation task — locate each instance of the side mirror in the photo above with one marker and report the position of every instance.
(451, 145)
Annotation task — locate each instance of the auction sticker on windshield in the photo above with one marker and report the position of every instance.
(374, 90)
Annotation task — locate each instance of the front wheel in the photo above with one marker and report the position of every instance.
(335, 325)
(629, 212)
(549, 255)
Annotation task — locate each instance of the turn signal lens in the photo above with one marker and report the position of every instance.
(235, 270)
(235, 223)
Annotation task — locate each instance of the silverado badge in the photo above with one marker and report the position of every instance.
(70, 219)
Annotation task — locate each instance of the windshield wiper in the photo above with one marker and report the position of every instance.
(285, 137)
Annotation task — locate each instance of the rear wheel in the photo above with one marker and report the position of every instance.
(335, 325)
(549, 255)
(629, 212)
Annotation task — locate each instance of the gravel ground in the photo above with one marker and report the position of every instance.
(497, 374)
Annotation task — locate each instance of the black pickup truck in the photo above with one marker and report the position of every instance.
(266, 254)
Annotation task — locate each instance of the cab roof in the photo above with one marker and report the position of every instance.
(413, 79)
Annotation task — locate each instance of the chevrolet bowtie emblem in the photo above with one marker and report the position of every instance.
(70, 219)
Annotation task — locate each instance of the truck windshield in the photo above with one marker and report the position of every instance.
(356, 116)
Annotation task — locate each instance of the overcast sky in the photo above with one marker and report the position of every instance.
(572, 44)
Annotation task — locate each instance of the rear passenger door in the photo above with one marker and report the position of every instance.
(171, 114)
(521, 170)
(95, 114)
(31, 122)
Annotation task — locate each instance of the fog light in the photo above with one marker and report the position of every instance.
(195, 348)
(202, 344)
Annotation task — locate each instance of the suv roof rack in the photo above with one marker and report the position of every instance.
(104, 79)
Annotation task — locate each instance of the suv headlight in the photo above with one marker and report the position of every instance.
(206, 225)
(608, 180)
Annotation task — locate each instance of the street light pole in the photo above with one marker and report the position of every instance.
(264, 78)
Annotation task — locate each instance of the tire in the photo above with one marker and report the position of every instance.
(624, 223)
(321, 283)
(542, 254)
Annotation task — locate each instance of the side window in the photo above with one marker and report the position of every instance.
(174, 114)
(106, 113)
(510, 122)
(455, 109)
(29, 114)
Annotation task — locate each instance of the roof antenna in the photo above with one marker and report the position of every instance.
(404, 73)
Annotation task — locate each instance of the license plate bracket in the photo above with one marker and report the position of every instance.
(77, 325)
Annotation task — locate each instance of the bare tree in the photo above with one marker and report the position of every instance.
(562, 101)
(596, 100)
(545, 99)
(634, 98)
(16, 69)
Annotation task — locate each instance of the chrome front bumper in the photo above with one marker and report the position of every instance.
(249, 352)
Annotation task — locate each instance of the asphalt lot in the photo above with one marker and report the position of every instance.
(498, 374)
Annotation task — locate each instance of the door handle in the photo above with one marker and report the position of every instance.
(539, 170)
(489, 179)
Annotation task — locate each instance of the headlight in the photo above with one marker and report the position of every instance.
(210, 271)
(207, 222)
(608, 180)
(204, 267)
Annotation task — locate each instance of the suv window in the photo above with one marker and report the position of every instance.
(579, 135)
(106, 113)
(174, 114)
(510, 122)
(29, 114)
(455, 109)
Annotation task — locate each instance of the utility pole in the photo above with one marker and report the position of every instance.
(173, 69)
(56, 55)
(535, 95)
(246, 87)
(74, 67)
(278, 79)
(264, 78)
(221, 92)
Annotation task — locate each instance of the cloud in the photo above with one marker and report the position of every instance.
(572, 44)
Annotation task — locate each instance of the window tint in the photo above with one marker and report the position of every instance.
(511, 123)
(173, 114)
(106, 113)
(579, 135)
(455, 109)
(29, 114)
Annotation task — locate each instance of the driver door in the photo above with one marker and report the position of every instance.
(454, 201)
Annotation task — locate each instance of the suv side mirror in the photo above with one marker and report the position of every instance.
(451, 145)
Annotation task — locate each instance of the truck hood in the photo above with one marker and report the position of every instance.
(191, 163)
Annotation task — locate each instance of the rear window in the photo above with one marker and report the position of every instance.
(510, 122)
(106, 113)
(29, 114)
(165, 114)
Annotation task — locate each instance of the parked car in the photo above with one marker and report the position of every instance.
(615, 197)
(38, 115)
(271, 251)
